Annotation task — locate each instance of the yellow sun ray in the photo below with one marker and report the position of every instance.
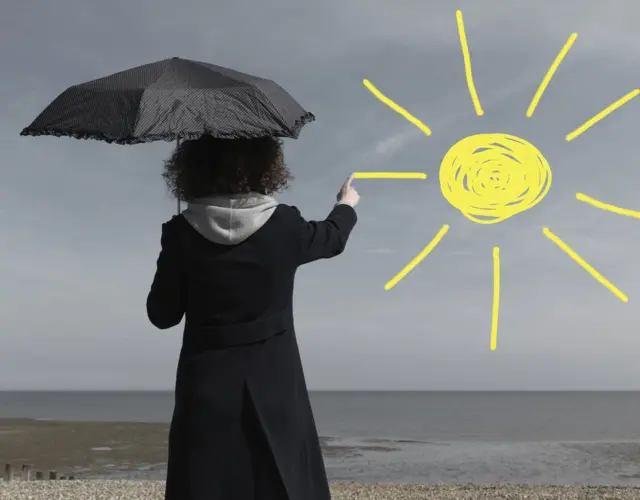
(418, 258)
(552, 70)
(569, 251)
(398, 109)
(496, 298)
(389, 175)
(605, 112)
(607, 206)
(467, 64)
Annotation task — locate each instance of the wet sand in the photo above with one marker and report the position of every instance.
(154, 490)
(91, 450)
(82, 447)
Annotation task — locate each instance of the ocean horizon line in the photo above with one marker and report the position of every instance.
(333, 391)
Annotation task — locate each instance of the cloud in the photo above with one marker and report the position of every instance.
(381, 250)
(394, 142)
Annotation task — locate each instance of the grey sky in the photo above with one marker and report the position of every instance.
(80, 220)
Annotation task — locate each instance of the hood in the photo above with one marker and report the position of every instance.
(229, 219)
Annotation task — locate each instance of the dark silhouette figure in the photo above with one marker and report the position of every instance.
(242, 427)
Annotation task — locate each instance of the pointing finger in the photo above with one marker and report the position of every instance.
(349, 180)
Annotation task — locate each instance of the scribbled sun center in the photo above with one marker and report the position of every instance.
(491, 177)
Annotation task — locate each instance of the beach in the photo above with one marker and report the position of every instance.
(137, 451)
(391, 438)
(154, 490)
(125, 460)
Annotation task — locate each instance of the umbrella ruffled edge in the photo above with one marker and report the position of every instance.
(100, 136)
(301, 122)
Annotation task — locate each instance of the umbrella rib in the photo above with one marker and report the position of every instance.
(135, 125)
(274, 109)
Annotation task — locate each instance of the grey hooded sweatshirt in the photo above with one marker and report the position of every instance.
(229, 219)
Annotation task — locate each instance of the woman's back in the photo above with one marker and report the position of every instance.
(228, 264)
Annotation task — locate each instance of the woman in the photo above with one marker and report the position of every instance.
(242, 425)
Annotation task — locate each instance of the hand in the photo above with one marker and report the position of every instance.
(348, 195)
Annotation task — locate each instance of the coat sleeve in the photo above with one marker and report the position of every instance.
(327, 238)
(165, 302)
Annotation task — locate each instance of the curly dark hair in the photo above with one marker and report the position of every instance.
(208, 166)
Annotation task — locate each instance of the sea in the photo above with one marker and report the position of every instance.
(421, 437)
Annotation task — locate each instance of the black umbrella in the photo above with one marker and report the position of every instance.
(170, 100)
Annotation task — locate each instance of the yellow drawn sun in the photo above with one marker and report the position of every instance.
(492, 177)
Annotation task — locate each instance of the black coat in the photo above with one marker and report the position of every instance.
(242, 427)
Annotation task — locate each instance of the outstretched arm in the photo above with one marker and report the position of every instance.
(165, 302)
(327, 238)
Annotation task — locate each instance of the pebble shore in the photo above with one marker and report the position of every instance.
(154, 490)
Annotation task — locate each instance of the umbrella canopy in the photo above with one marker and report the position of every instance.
(169, 100)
